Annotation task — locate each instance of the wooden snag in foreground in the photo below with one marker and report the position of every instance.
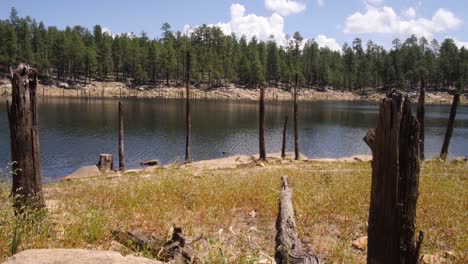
(395, 180)
(451, 123)
(296, 133)
(24, 139)
(420, 113)
(106, 163)
(188, 119)
(283, 147)
(288, 244)
(261, 124)
(121, 138)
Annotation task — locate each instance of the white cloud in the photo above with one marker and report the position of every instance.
(106, 30)
(285, 7)
(321, 2)
(324, 41)
(374, 2)
(385, 20)
(410, 12)
(460, 44)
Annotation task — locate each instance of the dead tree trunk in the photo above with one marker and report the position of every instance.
(188, 120)
(451, 123)
(121, 138)
(395, 180)
(24, 139)
(420, 115)
(261, 124)
(106, 163)
(296, 133)
(288, 244)
(283, 147)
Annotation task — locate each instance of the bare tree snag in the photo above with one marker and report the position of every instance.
(420, 115)
(451, 123)
(188, 120)
(121, 138)
(395, 180)
(261, 124)
(296, 133)
(24, 139)
(106, 163)
(288, 244)
(283, 147)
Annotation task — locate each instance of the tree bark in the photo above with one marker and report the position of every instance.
(261, 124)
(420, 115)
(395, 180)
(188, 120)
(288, 244)
(121, 138)
(24, 139)
(283, 147)
(106, 163)
(296, 133)
(450, 125)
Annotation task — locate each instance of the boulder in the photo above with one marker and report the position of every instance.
(63, 85)
(83, 172)
(75, 256)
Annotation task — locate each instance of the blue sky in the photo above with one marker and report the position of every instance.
(330, 22)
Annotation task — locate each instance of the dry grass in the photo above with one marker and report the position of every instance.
(331, 202)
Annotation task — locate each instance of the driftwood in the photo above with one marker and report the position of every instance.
(395, 180)
(283, 146)
(106, 163)
(288, 245)
(450, 125)
(24, 138)
(261, 124)
(178, 248)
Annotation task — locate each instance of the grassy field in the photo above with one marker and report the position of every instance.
(331, 200)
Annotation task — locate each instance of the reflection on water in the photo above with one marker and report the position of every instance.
(74, 131)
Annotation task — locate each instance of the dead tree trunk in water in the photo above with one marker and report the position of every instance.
(395, 180)
(288, 244)
(296, 133)
(420, 115)
(24, 139)
(451, 123)
(283, 147)
(261, 124)
(121, 138)
(188, 121)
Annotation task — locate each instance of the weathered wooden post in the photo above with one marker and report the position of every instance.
(395, 180)
(24, 139)
(420, 115)
(121, 138)
(296, 133)
(288, 244)
(261, 124)
(188, 119)
(451, 123)
(106, 163)
(283, 147)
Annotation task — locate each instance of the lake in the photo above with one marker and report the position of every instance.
(74, 131)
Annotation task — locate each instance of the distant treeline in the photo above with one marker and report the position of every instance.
(78, 54)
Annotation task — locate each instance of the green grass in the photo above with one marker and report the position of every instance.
(331, 202)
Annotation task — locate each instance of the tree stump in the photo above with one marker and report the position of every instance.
(395, 180)
(106, 163)
(288, 245)
(24, 139)
(450, 125)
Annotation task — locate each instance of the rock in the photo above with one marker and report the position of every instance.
(261, 164)
(360, 243)
(63, 85)
(432, 259)
(75, 256)
(83, 172)
(150, 163)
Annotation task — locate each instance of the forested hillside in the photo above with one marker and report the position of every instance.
(78, 54)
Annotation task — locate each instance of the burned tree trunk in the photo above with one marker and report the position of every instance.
(451, 123)
(283, 147)
(288, 245)
(24, 139)
(121, 138)
(261, 124)
(188, 121)
(395, 180)
(296, 133)
(420, 115)
(106, 163)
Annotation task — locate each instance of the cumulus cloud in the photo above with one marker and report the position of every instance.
(106, 30)
(331, 43)
(285, 7)
(385, 20)
(410, 12)
(460, 43)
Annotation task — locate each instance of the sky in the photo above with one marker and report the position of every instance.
(330, 22)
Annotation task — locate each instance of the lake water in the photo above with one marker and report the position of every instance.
(74, 131)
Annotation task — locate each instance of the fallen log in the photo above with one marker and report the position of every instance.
(288, 244)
